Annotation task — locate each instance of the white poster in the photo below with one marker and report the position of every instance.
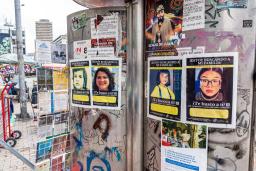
(60, 101)
(59, 53)
(80, 48)
(193, 13)
(102, 52)
(188, 50)
(211, 89)
(104, 27)
(43, 51)
(183, 147)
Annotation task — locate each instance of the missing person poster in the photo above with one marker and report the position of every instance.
(106, 83)
(183, 147)
(164, 98)
(80, 83)
(211, 89)
(163, 24)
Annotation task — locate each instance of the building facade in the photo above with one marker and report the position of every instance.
(44, 30)
(8, 39)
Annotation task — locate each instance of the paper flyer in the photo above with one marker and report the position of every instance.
(211, 89)
(163, 20)
(104, 27)
(80, 48)
(43, 51)
(57, 163)
(59, 53)
(43, 166)
(193, 14)
(43, 151)
(61, 102)
(59, 145)
(80, 83)
(164, 98)
(106, 83)
(60, 80)
(100, 52)
(183, 147)
(68, 161)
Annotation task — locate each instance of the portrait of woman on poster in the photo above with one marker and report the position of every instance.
(79, 79)
(103, 80)
(210, 85)
(162, 90)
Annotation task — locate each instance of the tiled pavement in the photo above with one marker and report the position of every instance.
(26, 145)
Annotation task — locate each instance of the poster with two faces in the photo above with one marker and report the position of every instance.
(96, 83)
(196, 88)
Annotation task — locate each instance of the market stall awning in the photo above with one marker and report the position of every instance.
(11, 58)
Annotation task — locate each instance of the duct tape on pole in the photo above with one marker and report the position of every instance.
(23, 99)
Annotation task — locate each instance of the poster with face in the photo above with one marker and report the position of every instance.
(183, 146)
(106, 83)
(211, 89)
(80, 83)
(163, 24)
(164, 98)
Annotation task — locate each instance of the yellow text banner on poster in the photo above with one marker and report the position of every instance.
(209, 113)
(164, 109)
(82, 98)
(104, 99)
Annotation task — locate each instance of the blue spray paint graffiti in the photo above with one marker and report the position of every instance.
(108, 153)
(79, 141)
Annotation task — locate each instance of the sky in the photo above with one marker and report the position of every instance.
(34, 10)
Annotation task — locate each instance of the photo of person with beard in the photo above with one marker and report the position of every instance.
(162, 29)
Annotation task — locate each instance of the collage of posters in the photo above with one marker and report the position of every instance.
(165, 87)
(52, 147)
(196, 88)
(96, 83)
(183, 146)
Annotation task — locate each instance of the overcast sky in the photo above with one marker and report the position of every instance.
(33, 10)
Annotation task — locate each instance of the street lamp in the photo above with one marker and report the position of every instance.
(23, 100)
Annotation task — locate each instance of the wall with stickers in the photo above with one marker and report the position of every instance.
(199, 58)
(96, 40)
(192, 30)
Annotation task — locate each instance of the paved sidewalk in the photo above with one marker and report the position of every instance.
(26, 145)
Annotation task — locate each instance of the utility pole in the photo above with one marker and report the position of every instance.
(23, 100)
